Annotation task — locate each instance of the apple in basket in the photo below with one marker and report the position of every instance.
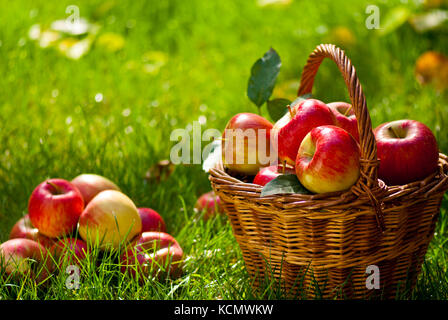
(153, 253)
(290, 130)
(54, 207)
(407, 150)
(91, 184)
(269, 173)
(328, 160)
(345, 117)
(246, 145)
(110, 220)
(24, 257)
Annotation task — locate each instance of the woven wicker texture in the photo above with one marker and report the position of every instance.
(322, 244)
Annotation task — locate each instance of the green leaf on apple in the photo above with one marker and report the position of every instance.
(277, 108)
(262, 79)
(285, 183)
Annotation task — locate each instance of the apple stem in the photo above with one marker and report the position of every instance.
(394, 132)
(55, 187)
(307, 154)
(290, 110)
(348, 110)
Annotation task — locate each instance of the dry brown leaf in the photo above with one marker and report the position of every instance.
(161, 171)
(432, 68)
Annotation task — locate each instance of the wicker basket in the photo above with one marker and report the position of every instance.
(320, 245)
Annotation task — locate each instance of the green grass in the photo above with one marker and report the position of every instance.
(51, 125)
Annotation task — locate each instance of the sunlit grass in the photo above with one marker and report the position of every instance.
(54, 124)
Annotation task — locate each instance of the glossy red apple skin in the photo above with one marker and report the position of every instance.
(151, 220)
(89, 185)
(294, 126)
(154, 253)
(69, 251)
(210, 203)
(54, 207)
(328, 160)
(410, 158)
(18, 255)
(244, 157)
(267, 174)
(24, 229)
(345, 117)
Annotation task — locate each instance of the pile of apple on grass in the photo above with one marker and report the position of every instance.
(69, 220)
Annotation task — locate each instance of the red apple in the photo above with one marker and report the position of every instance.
(269, 173)
(294, 126)
(109, 220)
(153, 253)
(24, 257)
(328, 160)
(25, 230)
(407, 150)
(70, 251)
(151, 220)
(345, 117)
(91, 184)
(54, 207)
(210, 203)
(246, 144)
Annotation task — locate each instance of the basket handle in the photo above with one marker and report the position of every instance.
(368, 180)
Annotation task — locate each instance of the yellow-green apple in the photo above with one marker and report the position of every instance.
(328, 160)
(345, 117)
(54, 207)
(153, 253)
(91, 184)
(269, 173)
(209, 203)
(151, 220)
(24, 257)
(25, 230)
(290, 130)
(246, 145)
(407, 150)
(109, 220)
(69, 251)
